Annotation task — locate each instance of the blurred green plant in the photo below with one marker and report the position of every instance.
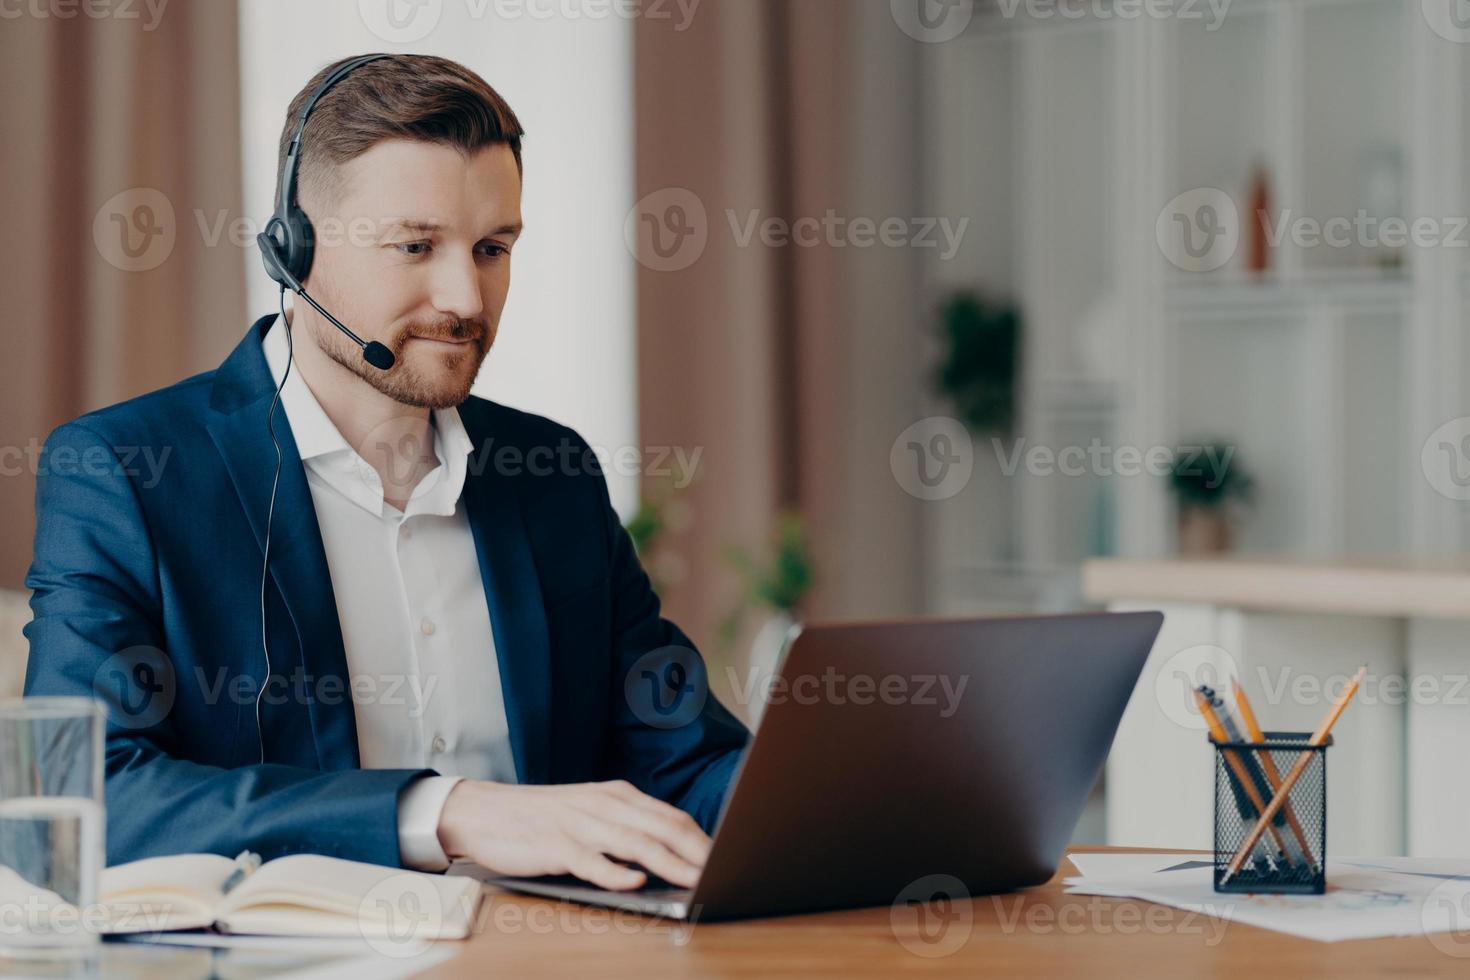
(978, 369)
(660, 511)
(1206, 475)
(779, 583)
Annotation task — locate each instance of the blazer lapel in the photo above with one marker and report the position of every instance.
(298, 559)
(517, 616)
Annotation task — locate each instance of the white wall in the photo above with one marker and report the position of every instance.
(566, 342)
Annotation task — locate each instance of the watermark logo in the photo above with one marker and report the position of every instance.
(667, 231)
(135, 230)
(1450, 19)
(1445, 459)
(1445, 916)
(1185, 670)
(137, 685)
(933, 459)
(400, 21)
(1199, 230)
(933, 916)
(399, 915)
(667, 688)
(932, 21)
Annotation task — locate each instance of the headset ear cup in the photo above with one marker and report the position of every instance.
(299, 247)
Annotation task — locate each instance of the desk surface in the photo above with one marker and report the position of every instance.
(1039, 933)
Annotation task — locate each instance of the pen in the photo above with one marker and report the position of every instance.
(245, 864)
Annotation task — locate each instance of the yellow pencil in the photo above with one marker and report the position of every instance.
(1237, 766)
(1282, 794)
(1273, 775)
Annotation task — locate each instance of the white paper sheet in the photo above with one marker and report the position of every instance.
(1366, 897)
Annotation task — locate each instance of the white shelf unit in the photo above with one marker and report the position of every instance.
(1064, 139)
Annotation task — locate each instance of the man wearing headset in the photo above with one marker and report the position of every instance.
(364, 613)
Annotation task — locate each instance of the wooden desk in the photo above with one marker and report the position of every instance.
(1039, 933)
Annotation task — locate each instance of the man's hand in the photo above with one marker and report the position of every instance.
(575, 829)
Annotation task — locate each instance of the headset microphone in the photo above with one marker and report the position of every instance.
(373, 352)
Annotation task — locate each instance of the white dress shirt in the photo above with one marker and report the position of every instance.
(421, 656)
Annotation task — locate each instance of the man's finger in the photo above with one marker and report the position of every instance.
(591, 866)
(632, 845)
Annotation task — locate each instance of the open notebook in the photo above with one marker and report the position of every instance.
(297, 895)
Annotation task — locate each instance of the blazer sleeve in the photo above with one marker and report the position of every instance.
(96, 596)
(671, 738)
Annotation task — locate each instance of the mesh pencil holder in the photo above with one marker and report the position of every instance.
(1291, 855)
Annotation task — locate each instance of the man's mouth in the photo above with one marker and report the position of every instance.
(450, 344)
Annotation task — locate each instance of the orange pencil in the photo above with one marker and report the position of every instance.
(1273, 775)
(1237, 766)
(1279, 800)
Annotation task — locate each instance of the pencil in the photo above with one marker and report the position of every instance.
(1282, 794)
(1273, 775)
(1232, 758)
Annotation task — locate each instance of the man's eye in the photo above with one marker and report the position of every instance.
(494, 250)
(413, 248)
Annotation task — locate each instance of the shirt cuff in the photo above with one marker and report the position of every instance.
(419, 806)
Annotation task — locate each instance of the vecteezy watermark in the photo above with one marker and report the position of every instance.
(1199, 230)
(570, 919)
(932, 21)
(933, 459)
(401, 914)
(135, 229)
(1094, 915)
(406, 21)
(836, 231)
(137, 685)
(667, 688)
(1450, 19)
(1445, 459)
(35, 918)
(669, 229)
(1211, 12)
(1209, 462)
(933, 916)
(143, 463)
(1184, 671)
(939, 691)
(91, 9)
(1445, 917)
(1290, 685)
(400, 453)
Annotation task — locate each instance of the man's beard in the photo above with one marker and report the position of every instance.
(404, 383)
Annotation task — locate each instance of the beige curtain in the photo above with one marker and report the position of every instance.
(122, 126)
(787, 366)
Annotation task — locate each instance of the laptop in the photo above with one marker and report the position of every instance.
(890, 751)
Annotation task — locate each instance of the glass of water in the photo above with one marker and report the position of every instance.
(51, 825)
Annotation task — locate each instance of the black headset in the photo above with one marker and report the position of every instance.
(286, 245)
(286, 249)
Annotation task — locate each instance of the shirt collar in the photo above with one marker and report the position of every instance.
(330, 457)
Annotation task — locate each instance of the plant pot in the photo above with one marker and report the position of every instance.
(1204, 531)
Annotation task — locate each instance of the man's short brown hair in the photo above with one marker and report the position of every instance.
(403, 96)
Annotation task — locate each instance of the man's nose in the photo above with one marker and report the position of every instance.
(457, 288)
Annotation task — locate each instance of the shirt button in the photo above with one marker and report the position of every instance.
(427, 625)
(439, 743)
(407, 531)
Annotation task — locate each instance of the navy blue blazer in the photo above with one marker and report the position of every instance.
(146, 578)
